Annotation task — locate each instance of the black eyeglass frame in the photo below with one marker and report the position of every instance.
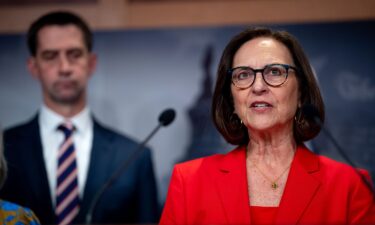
(286, 67)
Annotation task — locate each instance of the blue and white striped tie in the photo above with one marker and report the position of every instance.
(67, 192)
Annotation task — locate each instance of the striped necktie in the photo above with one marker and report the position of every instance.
(67, 193)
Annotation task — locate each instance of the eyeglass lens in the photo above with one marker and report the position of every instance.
(273, 75)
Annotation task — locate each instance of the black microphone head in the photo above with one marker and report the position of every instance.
(167, 117)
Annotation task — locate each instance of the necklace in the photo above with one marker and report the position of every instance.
(274, 184)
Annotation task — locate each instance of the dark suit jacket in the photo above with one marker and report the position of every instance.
(131, 199)
(213, 190)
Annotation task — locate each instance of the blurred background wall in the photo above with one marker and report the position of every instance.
(156, 54)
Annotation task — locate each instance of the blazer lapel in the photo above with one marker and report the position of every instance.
(232, 187)
(100, 168)
(36, 167)
(300, 188)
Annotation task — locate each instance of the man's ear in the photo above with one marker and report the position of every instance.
(33, 67)
(92, 63)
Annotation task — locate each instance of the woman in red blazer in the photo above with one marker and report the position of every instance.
(264, 83)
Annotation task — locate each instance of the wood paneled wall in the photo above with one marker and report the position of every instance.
(134, 14)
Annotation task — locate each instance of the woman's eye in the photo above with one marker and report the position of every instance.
(243, 75)
(275, 72)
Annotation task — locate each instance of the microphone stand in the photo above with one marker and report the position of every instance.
(312, 113)
(117, 174)
(347, 159)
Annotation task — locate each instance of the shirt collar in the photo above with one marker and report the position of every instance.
(51, 120)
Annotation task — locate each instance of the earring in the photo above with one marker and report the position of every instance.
(235, 119)
(298, 117)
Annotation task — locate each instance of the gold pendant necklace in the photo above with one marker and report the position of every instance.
(274, 184)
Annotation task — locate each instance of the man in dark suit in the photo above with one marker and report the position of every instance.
(60, 190)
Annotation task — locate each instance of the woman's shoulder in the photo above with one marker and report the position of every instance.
(321, 161)
(11, 213)
(213, 162)
(336, 170)
(334, 165)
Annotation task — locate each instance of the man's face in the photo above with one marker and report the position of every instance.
(62, 64)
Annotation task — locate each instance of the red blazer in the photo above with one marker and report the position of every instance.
(213, 190)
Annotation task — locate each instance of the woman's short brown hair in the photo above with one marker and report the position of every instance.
(229, 125)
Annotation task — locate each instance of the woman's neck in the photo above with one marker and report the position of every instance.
(272, 148)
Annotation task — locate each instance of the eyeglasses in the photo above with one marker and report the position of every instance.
(273, 74)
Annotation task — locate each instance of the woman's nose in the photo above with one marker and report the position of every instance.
(259, 85)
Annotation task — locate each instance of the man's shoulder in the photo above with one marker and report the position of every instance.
(119, 142)
(21, 129)
(112, 134)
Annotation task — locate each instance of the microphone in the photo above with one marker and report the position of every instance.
(165, 118)
(311, 113)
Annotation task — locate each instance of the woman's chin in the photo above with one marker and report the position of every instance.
(261, 127)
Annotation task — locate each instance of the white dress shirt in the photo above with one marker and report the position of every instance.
(52, 139)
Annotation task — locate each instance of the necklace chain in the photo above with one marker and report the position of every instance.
(274, 184)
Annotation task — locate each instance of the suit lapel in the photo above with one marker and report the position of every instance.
(35, 165)
(100, 168)
(300, 188)
(232, 187)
